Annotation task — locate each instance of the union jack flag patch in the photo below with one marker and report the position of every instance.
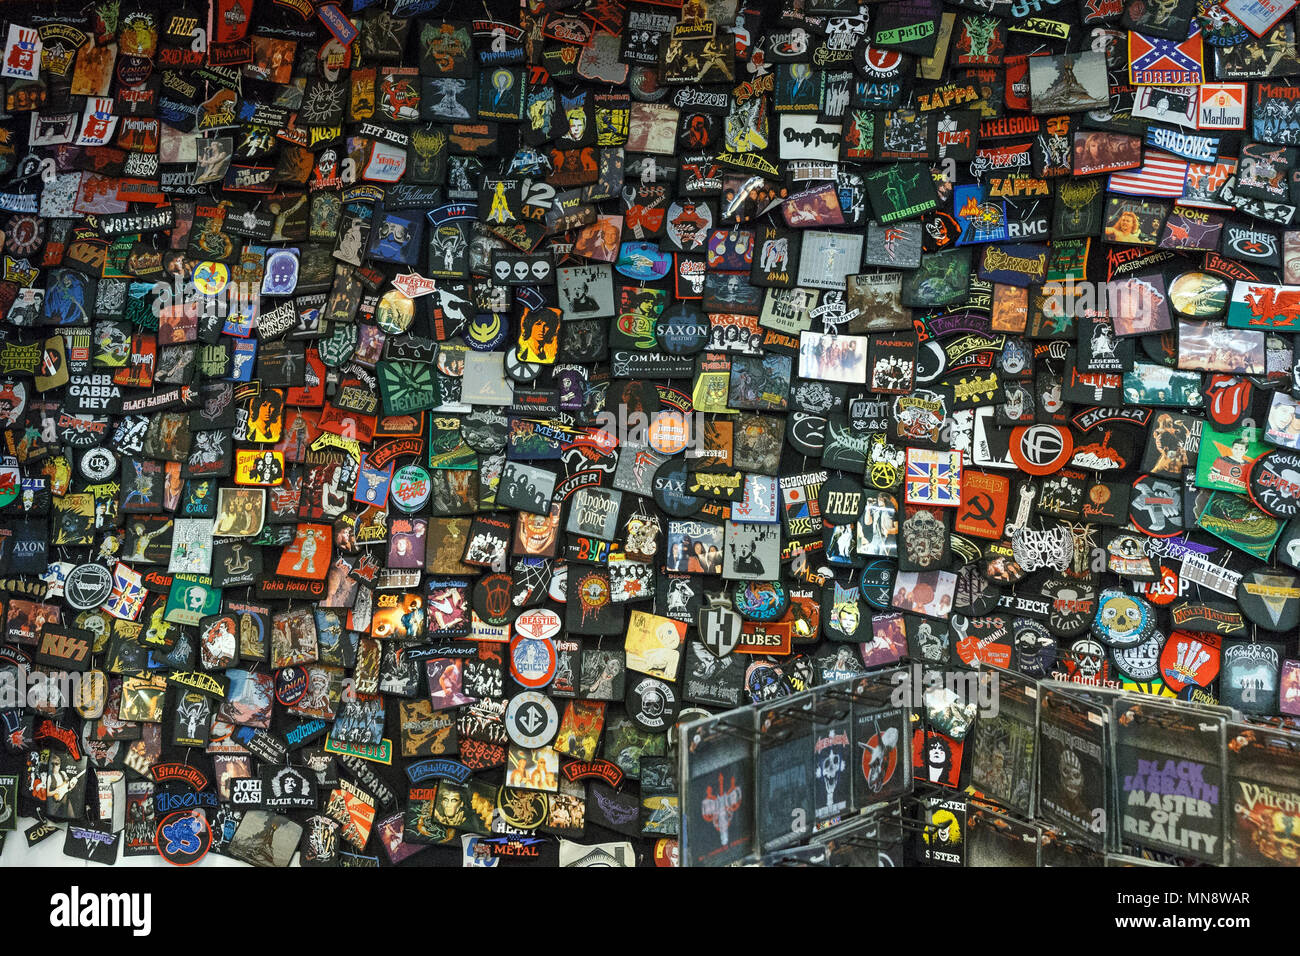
(933, 478)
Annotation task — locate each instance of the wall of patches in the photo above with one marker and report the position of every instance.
(636, 433)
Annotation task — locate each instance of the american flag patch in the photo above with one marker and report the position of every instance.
(1160, 175)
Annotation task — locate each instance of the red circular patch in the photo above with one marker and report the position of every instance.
(1041, 449)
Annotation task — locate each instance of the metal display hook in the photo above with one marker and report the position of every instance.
(737, 732)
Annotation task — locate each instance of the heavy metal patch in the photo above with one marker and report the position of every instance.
(588, 410)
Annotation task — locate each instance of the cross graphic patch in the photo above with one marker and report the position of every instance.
(1155, 61)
